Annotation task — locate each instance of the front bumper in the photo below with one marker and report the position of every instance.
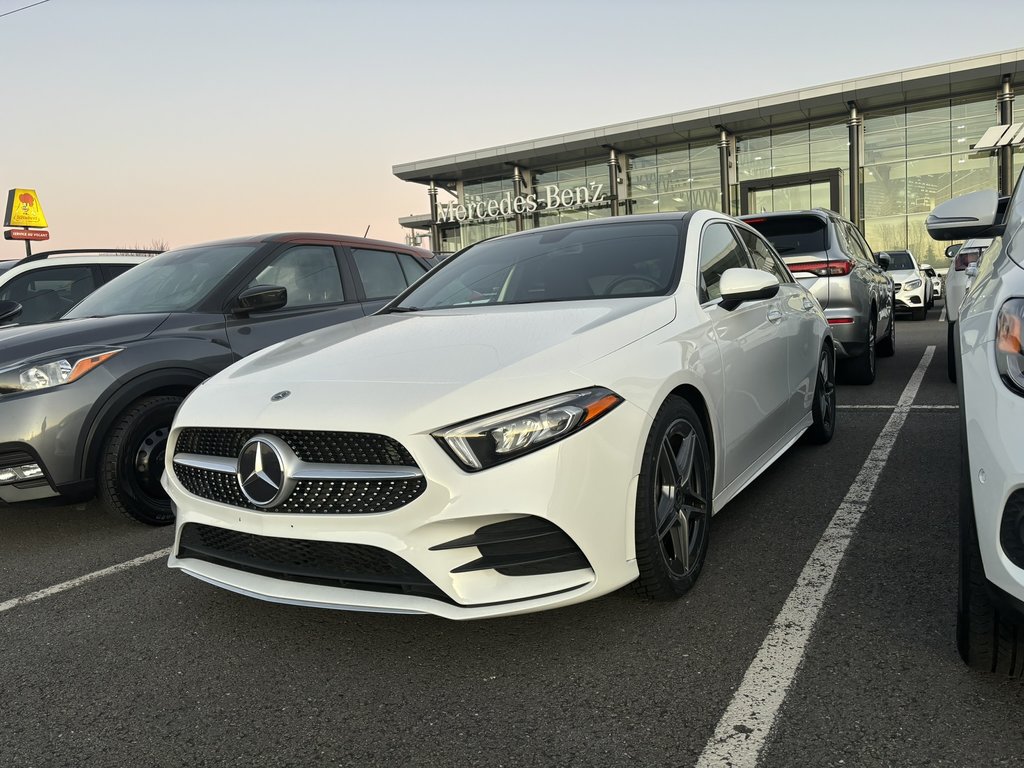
(909, 300)
(584, 485)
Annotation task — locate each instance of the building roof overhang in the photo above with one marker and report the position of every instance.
(819, 103)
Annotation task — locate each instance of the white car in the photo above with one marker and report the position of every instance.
(542, 419)
(932, 275)
(989, 343)
(44, 286)
(958, 280)
(913, 288)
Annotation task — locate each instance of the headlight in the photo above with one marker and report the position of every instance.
(1009, 343)
(912, 284)
(53, 370)
(482, 443)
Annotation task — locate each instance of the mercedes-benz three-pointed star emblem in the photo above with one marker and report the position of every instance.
(261, 471)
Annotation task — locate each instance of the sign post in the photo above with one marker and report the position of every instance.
(24, 210)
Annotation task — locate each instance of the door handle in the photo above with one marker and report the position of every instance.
(774, 315)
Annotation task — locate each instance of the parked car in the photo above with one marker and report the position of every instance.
(965, 258)
(913, 287)
(48, 284)
(7, 264)
(936, 281)
(548, 416)
(990, 368)
(831, 258)
(86, 403)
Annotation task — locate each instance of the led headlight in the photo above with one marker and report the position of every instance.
(911, 285)
(53, 370)
(1010, 343)
(493, 439)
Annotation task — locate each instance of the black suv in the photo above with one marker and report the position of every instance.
(86, 402)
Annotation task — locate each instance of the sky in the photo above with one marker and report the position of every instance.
(173, 122)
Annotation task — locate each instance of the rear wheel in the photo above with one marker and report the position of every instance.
(887, 346)
(950, 352)
(673, 504)
(823, 409)
(132, 461)
(861, 369)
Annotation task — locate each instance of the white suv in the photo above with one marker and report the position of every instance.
(44, 286)
(913, 287)
(990, 362)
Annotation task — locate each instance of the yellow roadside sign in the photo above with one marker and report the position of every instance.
(23, 209)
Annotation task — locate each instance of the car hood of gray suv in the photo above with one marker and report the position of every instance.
(29, 341)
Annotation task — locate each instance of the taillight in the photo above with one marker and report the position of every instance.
(840, 321)
(824, 268)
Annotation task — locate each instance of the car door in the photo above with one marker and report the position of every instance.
(798, 325)
(319, 294)
(754, 356)
(381, 274)
(879, 282)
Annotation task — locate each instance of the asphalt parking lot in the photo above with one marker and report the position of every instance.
(147, 666)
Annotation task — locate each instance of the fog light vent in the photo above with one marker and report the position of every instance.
(1011, 529)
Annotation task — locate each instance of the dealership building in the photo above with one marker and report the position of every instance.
(882, 150)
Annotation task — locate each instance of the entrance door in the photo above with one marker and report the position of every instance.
(796, 192)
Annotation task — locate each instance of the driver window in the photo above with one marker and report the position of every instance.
(764, 257)
(309, 273)
(719, 251)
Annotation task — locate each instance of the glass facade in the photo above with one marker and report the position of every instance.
(914, 157)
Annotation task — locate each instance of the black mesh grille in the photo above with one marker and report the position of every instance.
(1011, 529)
(333, 564)
(317, 497)
(316, 447)
(525, 546)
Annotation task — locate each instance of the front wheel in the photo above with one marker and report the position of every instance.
(133, 461)
(673, 503)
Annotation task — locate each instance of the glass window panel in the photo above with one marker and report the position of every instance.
(973, 174)
(927, 115)
(928, 183)
(791, 137)
(885, 189)
(707, 197)
(645, 204)
(884, 146)
(719, 251)
(885, 120)
(310, 274)
(928, 139)
(886, 233)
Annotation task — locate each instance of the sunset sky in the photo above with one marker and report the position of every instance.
(141, 121)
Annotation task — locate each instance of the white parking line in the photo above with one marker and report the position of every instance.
(942, 314)
(748, 721)
(63, 586)
(890, 407)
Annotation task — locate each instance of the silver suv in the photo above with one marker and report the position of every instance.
(830, 257)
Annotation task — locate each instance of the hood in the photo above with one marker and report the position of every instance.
(902, 275)
(20, 342)
(445, 364)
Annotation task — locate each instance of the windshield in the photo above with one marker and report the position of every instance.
(623, 259)
(793, 235)
(900, 260)
(175, 281)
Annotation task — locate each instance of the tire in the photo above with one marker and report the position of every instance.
(823, 408)
(887, 346)
(861, 369)
(132, 461)
(950, 352)
(985, 640)
(673, 503)
(921, 313)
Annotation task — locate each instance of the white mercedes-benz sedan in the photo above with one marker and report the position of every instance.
(542, 419)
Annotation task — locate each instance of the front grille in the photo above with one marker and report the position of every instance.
(318, 497)
(332, 564)
(315, 447)
(524, 546)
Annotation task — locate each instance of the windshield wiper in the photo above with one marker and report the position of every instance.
(400, 309)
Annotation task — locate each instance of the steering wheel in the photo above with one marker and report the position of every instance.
(627, 278)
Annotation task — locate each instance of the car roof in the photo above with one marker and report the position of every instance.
(821, 213)
(326, 237)
(31, 266)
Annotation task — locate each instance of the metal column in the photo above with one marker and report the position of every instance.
(435, 231)
(856, 131)
(613, 180)
(1005, 101)
(517, 192)
(724, 170)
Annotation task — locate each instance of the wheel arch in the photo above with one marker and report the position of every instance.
(178, 382)
(697, 401)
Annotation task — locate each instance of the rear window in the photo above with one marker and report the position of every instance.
(793, 235)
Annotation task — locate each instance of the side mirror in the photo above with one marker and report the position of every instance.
(973, 215)
(883, 259)
(260, 298)
(740, 284)
(952, 250)
(9, 310)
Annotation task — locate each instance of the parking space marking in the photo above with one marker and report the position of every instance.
(890, 407)
(750, 717)
(942, 315)
(64, 586)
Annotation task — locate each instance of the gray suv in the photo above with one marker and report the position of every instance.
(831, 258)
(86, 403)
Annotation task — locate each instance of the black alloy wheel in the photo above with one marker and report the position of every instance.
(823, 409)
(132, 461)
(673, 508)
